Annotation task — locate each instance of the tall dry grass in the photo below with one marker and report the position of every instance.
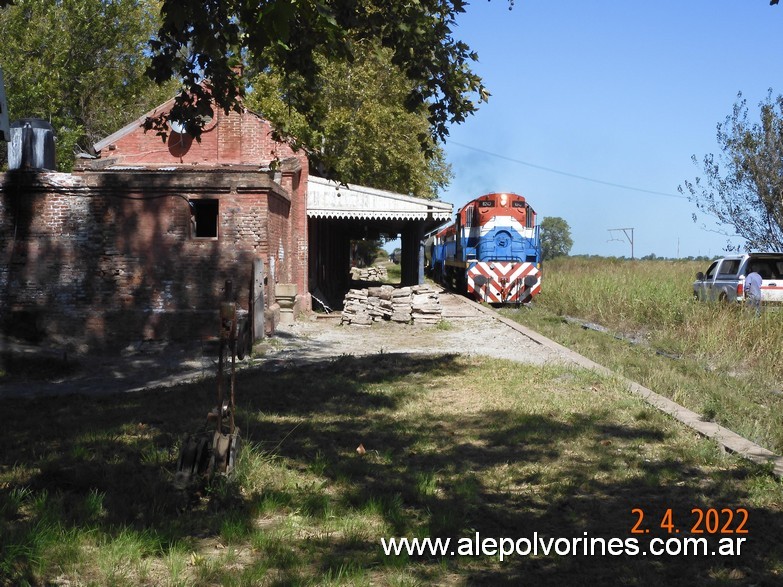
(717, 359)
(653, 299)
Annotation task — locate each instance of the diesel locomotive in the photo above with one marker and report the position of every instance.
(491, 252)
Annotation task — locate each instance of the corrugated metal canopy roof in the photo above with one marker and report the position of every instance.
(330, 199)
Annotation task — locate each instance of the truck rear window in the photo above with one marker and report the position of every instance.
(729, 267)
(767, 268)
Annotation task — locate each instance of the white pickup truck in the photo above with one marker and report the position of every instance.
(725, 278)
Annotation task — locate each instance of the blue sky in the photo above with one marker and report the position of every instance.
(618, 92)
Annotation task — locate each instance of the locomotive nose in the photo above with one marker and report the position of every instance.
(502, 239)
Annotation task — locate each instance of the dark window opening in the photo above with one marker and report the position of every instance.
(204, 218)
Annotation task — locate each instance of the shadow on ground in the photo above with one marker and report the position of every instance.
(426, 475)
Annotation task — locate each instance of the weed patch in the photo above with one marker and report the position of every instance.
(714, 359)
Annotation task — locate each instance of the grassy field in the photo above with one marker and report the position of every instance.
(716, 359)
(452, 447)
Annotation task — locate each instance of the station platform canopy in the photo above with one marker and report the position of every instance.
(330, 199)
(340, 214)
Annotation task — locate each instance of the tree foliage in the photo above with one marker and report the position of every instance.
(204, 39)
(365, 133)
(79, 64)
(742, 187)
(556, 238)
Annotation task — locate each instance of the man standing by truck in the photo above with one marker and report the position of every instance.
(753, 290)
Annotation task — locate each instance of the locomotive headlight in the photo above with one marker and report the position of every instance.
(503, 199)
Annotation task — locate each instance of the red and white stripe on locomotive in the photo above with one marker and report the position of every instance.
(502, 282)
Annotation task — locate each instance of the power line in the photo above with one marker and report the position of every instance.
(566, 173)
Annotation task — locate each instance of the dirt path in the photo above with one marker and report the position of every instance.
(466, 330)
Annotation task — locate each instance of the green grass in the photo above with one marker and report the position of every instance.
(394, 272)
(715, 359)
(454, 446)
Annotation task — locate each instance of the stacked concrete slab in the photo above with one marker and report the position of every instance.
(425, 305)
(373, 273)
(419, 304)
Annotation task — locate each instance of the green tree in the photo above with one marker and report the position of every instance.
(365, 133)
(743, 186)
(204, 39)
(81, 65)
(556, 238)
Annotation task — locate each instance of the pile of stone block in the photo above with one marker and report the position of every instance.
(425, 305)
(373, 273)
(401, 305)
(420, 304)
(356, 308)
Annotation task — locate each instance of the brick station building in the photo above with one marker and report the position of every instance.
(140, 240)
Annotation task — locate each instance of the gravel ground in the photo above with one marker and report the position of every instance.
(467, 330)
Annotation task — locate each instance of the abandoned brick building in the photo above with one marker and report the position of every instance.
(141, 239)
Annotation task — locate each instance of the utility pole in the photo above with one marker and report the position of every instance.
(628, 232)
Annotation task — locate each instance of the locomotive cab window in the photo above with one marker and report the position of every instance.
(203, 218)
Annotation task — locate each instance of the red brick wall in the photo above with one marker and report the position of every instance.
(108, 257)
(229, 139)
